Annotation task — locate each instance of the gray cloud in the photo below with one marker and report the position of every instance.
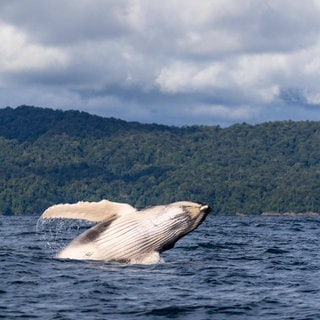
(173, 62)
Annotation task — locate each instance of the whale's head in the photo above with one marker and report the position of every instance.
(177, 219)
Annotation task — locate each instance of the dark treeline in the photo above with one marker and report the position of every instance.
(49, 157)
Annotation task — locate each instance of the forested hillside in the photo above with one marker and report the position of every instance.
(49, 157)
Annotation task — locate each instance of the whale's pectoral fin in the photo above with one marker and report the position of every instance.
(150, 258)
(94, 232)
(90, 211)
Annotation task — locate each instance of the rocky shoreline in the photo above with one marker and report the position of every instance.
(285, 214)
(292, 214)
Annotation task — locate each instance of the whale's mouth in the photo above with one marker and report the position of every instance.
(205, 208)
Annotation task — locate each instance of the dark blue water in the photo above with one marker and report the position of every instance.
(229, 268)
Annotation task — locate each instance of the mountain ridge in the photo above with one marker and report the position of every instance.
(53, 156)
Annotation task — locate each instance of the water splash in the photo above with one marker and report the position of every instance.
(55, 234)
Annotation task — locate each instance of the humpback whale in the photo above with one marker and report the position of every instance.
(127, 235)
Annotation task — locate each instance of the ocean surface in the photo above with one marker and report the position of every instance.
(229, 268)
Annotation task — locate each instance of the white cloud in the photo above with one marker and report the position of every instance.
(258, 69)
(18, 54)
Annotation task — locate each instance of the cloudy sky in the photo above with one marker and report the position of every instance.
(177, 62)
